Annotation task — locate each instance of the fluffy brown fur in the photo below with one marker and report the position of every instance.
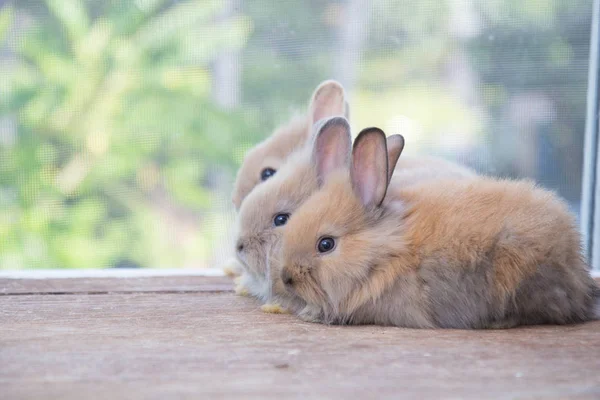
(258, 238)
(446, 253)
(271, 153)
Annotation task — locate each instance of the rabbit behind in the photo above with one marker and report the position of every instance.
(265, 159)
(455, 253)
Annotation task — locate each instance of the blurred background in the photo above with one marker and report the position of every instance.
(122, 123)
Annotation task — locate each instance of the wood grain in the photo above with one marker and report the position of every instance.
(115, 285)
(212, 344)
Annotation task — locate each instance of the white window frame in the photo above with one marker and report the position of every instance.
(590, 196)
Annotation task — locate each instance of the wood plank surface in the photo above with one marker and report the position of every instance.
(213, 344)
(115, 285)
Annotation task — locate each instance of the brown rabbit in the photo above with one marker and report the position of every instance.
(265, 159)
(455, 253)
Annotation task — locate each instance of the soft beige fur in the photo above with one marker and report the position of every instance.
(444, 253)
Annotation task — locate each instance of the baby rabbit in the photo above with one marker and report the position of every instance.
(454, 253)
(266, 210)
(265, 159)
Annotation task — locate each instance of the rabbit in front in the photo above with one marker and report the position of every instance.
(449, 253)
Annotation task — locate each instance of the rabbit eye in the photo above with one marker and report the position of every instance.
(281, 219)
(267, 173)
(326, 244)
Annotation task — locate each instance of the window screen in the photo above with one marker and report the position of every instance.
(122, 123)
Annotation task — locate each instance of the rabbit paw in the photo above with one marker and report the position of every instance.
(232, 268)
(241, 290)
(311, 314)
(273, 308)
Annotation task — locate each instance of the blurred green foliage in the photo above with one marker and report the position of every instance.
(111, 102)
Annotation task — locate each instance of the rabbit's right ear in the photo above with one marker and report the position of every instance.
(327, 101)
(369, 170)
(331, 147)
(395, 145)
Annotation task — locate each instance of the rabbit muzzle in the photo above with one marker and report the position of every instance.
(287, 278)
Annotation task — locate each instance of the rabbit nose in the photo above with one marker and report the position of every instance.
(240, 246)
(286, 277)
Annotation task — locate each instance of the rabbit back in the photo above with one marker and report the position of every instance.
(496, 253)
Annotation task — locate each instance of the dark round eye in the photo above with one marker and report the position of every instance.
(281, 219)
(326, 244)
(267, 173)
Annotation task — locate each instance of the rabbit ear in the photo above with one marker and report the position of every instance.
(332, 146)
(369, 170)
(327, 101)
(395, 145)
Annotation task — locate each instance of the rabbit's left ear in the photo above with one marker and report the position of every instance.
(369, 168)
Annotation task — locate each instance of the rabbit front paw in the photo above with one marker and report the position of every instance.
(273, 308)
(311, 314)
(240, 289)
(232, 268)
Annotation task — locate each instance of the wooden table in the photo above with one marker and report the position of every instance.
(191, 337)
